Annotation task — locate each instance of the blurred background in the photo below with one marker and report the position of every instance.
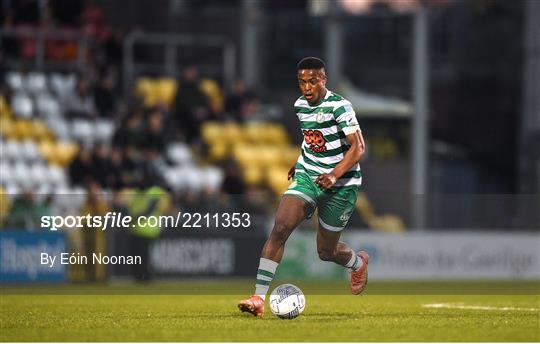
(175, 105)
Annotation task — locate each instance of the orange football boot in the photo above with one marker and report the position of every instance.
(253, 305)
(359, 277)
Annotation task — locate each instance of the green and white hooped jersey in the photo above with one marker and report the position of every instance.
(324, 127)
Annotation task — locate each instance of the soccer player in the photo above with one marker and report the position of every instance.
(326, 176)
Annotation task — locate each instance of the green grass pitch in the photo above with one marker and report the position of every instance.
(206, 311)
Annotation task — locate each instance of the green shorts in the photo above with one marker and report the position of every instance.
(335, 205)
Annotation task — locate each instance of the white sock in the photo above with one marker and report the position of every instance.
(265, 274)
(355, 262)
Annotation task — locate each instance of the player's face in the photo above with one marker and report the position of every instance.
(312, 83)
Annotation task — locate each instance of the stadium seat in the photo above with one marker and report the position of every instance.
(213, 92)
(22, 129)
(40, 174)
(22, 175)
(277, 179)
(103, 130)
(36, 83)
(166, 89)
(14, 81)
(29, 150)
(211, 132)
(22, 105)
(12, 191)
(6, 173)
(10, 149)
(47, 105)
(57, 176)
(62, 85)
(46, 149)
(82, 130)
(193, 178)
(253, 175)
(179, 153)
(63, 153)
(213, 177)
(7, 127)
(5, 109)
(60, 128)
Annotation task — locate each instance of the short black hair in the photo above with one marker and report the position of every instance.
(310, 63)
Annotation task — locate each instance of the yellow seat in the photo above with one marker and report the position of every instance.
(245, 155)
(218, 151)
(63, 153)
(232, 133)
(289, 156)
(47, 149)
(22, 129)
(253, 175)
(166, 89)
(277, 179)
(5, 110)
(211, 132)
(7, 127)
(213, 91)
(40, 131)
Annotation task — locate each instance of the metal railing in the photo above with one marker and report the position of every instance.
(171, 43)
(131, 67)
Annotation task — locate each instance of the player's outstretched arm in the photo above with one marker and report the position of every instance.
(353, 155)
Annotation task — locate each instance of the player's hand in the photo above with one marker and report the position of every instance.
(326, 180)
(291, 173)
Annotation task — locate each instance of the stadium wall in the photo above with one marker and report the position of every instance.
(424, 255)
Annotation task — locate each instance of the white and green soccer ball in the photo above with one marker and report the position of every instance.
(287, 301)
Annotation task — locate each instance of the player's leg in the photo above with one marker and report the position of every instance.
(291, 212)
(297, 204)
(335, 210)
(331, 249)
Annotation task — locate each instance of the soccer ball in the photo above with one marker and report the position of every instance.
(287, 301)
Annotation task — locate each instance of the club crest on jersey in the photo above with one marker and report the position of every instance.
(315, 140)
(320, 116)
(345, 218)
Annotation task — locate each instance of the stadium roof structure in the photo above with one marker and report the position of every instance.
(369, 104)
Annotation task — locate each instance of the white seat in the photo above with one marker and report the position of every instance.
(12, 150)
(47, 105)
(15, 81)
(13, 190)
(22, 174)
(212, 177)
(22, 105)
(30, 151)
(62, 85)
(104, 130)
(179, 153)
(57, 176)
(60, 127)
(82, 130)
(194, 179)
(40, 174)
(36, 82)
(6, 173)
(173, 178)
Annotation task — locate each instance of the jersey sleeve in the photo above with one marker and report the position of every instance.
(346, 119)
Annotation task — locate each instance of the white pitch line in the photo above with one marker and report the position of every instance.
(484, 308)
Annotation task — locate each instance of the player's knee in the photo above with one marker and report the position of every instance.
(280, 233)
(326, 255)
